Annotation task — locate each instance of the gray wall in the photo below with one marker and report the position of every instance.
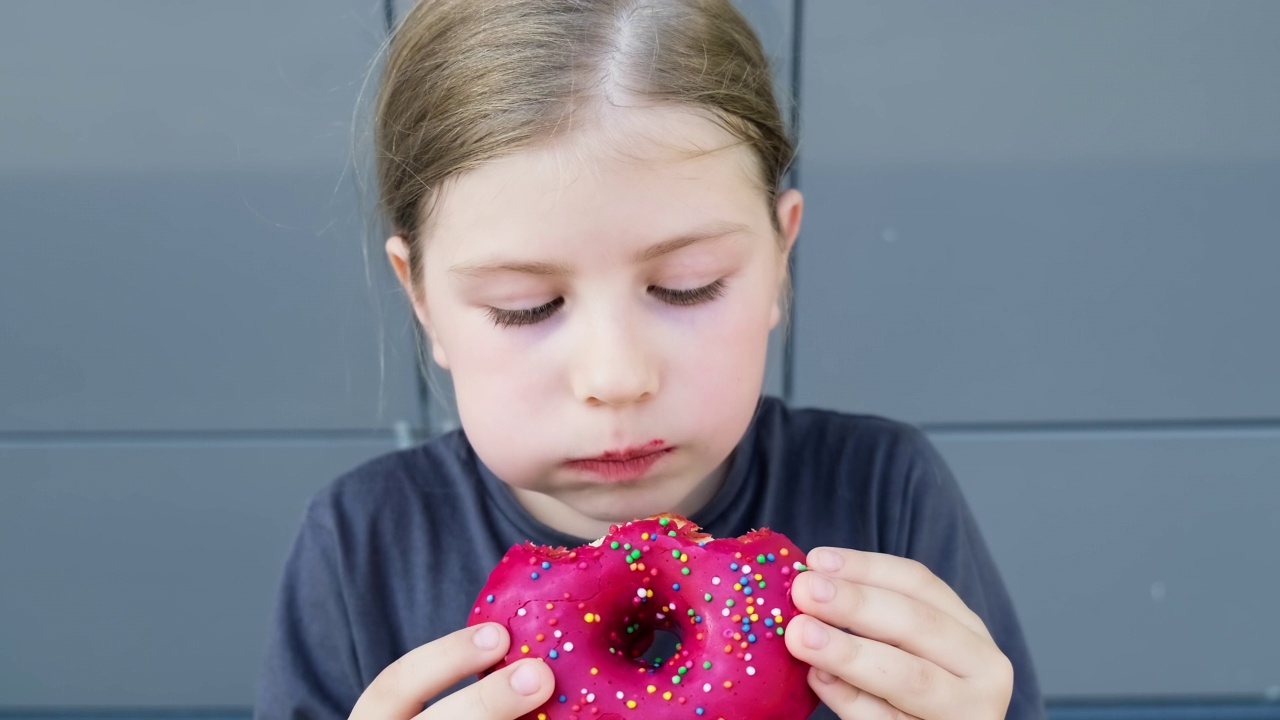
(189, 346)
(1043, 232)
(1047, 233)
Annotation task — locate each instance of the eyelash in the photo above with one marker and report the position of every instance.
(679, 298)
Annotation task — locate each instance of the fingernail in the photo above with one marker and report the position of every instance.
(486, 638)
(525, 680)
(821, 588)
(824, 676)
(825, 560)
(815, 635)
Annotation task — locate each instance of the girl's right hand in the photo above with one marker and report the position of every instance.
(400, 691)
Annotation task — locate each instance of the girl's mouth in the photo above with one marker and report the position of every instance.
(622, 465)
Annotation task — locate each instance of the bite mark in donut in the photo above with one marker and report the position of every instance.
(591, 613)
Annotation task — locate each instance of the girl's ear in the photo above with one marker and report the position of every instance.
(398, 255)
(790, 209)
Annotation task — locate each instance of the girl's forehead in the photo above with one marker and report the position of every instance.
(649, 160)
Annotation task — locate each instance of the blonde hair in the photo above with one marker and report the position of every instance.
(468, 81)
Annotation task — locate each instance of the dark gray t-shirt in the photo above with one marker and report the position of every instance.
(392, 554)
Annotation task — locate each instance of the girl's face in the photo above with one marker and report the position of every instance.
(603, 304)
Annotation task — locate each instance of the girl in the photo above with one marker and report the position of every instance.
(590, 226)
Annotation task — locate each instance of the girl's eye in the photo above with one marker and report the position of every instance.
(529, 316)
(706, 293)
(532, 316)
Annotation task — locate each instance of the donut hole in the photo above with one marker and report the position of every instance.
(662, 645)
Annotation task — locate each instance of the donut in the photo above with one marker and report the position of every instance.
(593, 612)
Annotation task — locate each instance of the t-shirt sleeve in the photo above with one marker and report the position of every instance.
(936, 527)
(310, 668)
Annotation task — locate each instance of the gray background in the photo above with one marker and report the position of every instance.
(1044, 232)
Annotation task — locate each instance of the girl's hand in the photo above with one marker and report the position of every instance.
(913, 650)
(400, 691)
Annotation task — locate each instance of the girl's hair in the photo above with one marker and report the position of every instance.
(468, 81)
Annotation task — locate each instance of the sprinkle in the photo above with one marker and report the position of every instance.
(664, 521)
(675, 679)
(751, 671)
(783, 552)
(489, 598)
(675, 586)
(524, 648)
(733, 566)
(666, 695)
(706, 664)
(591, 697)
(589, 617)
(715, 581)
(546, 565)
(533, 575)
(631, 704)
(706, 687)
(651, 689)
(620, 695)
(564, 699)
(705, 596)
(770, 557)
(594, 671)
(522, 612)
(614, 545)
(684, 570)
(760, 559)
(568, 647)
(553, 654)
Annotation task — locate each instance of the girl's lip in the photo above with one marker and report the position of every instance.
(632, 467)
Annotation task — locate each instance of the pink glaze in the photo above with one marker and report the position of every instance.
(591, 613)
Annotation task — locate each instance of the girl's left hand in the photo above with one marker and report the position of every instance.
(913, 648)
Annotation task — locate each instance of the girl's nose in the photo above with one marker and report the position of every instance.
(613, 365)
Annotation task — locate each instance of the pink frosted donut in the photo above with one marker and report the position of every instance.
(591, 613)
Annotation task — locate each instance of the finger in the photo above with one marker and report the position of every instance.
(507, 694)
(909, 683)
(899, 620)
(902, 575)
(849, 702)
(419, 675)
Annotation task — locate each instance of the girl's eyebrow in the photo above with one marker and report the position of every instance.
(712, 232)
(653, 252)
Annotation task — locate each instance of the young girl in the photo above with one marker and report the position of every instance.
(590, 228)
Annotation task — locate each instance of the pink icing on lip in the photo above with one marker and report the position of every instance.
(628, 453)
